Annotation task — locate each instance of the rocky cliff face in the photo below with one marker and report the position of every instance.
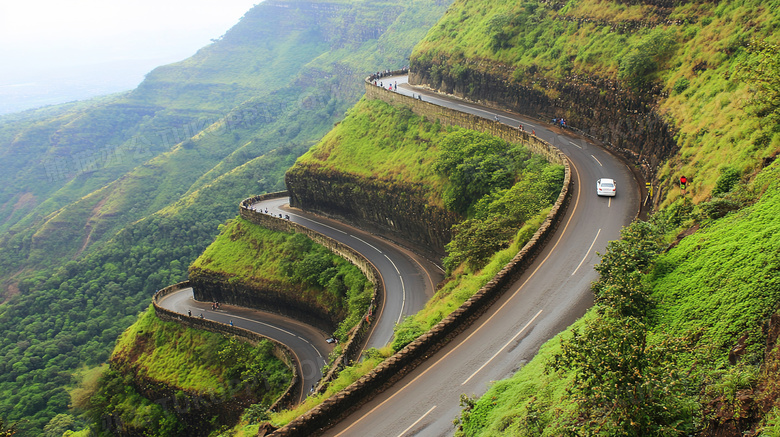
(624, 121)
(398, 211)
(298, 304)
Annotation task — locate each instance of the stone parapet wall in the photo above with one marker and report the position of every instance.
(452, 117)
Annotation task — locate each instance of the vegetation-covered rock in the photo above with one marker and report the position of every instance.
(168, 380)
(286, 273)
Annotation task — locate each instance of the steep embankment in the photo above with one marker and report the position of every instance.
(655, 80)
(166, 379)
(375, 169)
(153, 217)
(682, 340)
(285, 273)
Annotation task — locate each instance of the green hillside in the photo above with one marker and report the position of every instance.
(163, 359)
(677, 342)
(619, 70)
(267, 261)
(104, 202)
(680, 341)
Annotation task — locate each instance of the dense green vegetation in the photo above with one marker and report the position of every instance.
(654, 351)
(261, 258)
(685, 59)
(104, 202)
(505, 183)
(186, 365)
(379, 141)
(499, 188)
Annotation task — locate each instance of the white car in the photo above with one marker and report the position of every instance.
(606, 187)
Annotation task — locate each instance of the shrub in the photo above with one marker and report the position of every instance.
(729, 177)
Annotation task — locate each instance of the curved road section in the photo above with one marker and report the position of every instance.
(409, 280)
(549, 297)
(307, 343)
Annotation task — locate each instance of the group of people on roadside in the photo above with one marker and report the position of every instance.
(285, 216)
(214, 306)
(391, 87)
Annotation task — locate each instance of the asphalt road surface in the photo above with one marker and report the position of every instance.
(552, 294)
(409, 279)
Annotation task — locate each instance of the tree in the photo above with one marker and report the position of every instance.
(475, 241)
(625, 385)
(7, 430)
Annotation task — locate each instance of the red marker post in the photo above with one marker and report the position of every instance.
(683, 181)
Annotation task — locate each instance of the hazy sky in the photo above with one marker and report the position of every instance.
(44, 33)
(40, 39)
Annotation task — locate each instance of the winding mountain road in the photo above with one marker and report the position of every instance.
(309, 344)
(409, 279)
(551, 295)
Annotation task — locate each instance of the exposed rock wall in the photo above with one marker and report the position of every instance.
(600, 108)
(398, 211)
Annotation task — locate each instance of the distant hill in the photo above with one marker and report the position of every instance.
(103, 202)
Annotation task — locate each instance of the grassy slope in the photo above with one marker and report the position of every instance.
(721, 279)
(158, 218)
(717, 285)
(699, 96)
(376, 140)
(190, 360)
(185, 358)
